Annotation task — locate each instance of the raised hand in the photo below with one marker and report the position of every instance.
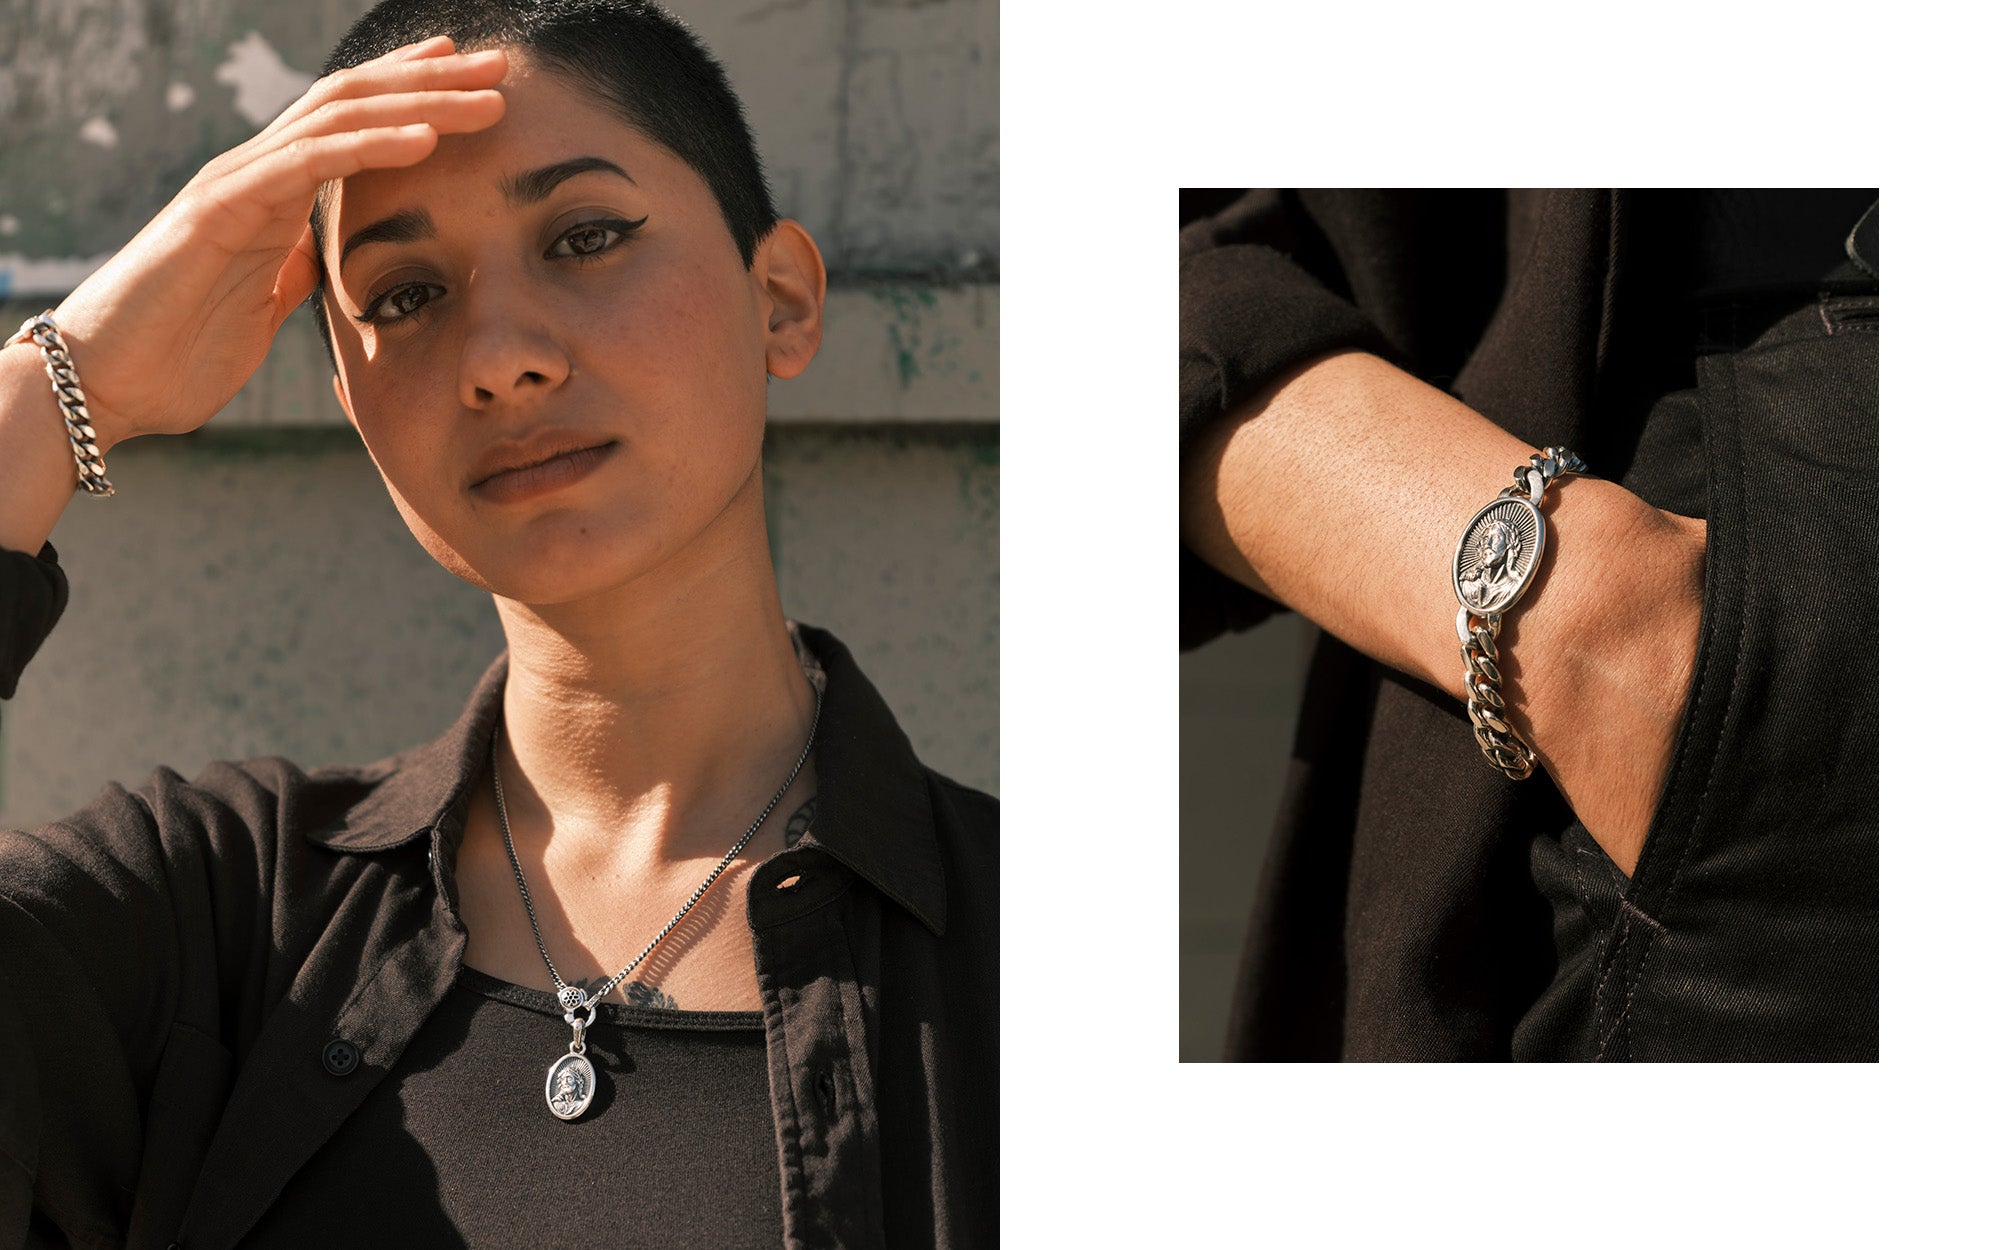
(172, 326)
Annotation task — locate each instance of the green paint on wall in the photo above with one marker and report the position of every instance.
(908, 309)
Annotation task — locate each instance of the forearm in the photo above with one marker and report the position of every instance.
(1342, 492)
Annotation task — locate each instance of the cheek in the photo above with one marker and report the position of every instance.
(693, 356)
(410, 453)
(408, 446)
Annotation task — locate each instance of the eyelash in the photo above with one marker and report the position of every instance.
(624, 232)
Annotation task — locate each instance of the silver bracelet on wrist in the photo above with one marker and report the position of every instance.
(41, 331)
(1496, 559)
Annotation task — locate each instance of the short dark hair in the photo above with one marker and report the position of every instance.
(640, 61)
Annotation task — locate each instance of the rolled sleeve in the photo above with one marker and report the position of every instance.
(1250, 311)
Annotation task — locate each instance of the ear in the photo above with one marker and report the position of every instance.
(792, 279)
(340, 393)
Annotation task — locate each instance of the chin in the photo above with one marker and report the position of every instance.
(571, 553)
(564, 563)
(561, 557)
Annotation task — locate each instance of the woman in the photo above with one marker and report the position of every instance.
(670, 939)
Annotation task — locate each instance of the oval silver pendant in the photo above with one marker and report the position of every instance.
(570, 1086)
(1498, 554)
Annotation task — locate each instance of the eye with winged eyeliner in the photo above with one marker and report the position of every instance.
(522, 190)
(610, 233)
(622, 232)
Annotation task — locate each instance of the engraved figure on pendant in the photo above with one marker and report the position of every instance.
(570, 1086)
(1493, 573)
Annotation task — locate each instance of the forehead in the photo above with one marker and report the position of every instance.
(549, 119)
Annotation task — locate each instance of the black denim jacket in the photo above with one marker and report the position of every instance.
(200, 980)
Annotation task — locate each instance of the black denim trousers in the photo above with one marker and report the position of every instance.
(1748, 929)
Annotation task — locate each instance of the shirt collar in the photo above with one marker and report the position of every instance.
(874, 811)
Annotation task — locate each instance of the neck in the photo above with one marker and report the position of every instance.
(651, 722)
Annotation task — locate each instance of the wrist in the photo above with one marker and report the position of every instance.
(1619, 570)
(1605, 658)
(79, 336)
(87, 442)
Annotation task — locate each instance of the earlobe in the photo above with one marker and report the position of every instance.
(340, 394)
(794, 280)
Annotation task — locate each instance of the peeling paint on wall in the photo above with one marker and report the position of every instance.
(265, 85)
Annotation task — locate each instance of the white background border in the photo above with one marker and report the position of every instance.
(1106, 111)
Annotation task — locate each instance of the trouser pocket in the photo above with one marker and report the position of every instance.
(1747, 930)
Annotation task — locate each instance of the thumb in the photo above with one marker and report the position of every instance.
(297, 276)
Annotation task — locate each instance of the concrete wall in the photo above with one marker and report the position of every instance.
(250, 590)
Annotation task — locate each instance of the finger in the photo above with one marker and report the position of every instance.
(473, 70)
(245, 201)
(447, 112)
(296, 277)
(436, 45)
(431, 70)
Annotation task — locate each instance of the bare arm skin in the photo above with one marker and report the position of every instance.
(1342, 490)
(174, 324)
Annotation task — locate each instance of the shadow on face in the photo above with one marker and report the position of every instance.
(548, 339)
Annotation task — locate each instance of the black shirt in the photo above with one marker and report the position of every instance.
(243, 958)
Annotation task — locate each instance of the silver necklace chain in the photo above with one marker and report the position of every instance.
(571, 996)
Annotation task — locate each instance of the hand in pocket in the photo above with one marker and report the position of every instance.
(1608, 741)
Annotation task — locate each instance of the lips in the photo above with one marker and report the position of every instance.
(544, 461)
(536, 447)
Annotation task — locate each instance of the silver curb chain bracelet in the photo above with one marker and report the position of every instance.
(40, 330)
(1496, 560)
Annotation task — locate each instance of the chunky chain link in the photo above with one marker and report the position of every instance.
(1479, 647)
(41, 330)
(1479, 637)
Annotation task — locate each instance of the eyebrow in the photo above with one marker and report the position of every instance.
(539, 184)
(409, 225)
(415, 225)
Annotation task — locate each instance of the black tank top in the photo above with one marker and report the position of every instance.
(457, 1147)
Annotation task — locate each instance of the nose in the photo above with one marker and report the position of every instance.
(511, 354)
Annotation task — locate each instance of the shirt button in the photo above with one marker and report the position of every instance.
(340, 1057)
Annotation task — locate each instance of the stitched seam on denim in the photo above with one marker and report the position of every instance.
(1728, 723)
(1622, 928)
(1583, 894)
(1626, 904)
(1842, 305)
(1590, 921)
